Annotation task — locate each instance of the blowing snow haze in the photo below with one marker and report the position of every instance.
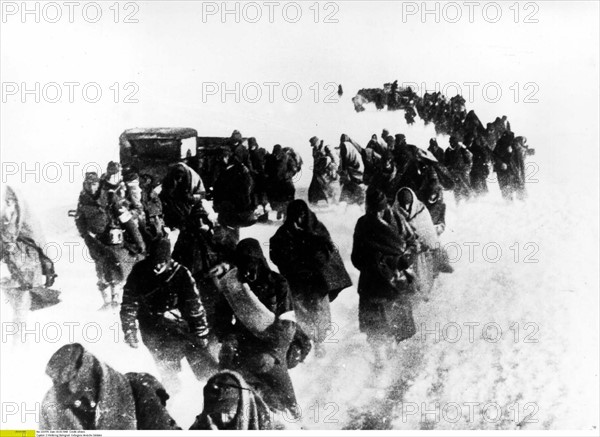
(71, 87)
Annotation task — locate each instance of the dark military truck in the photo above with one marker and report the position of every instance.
(151, 151)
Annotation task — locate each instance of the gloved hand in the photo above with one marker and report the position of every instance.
(200, 342)
(132, 340)
(218, 270)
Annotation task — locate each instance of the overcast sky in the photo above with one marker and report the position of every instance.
(177, 51)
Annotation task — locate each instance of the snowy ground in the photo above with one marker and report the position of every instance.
(553, 381)
(533, 367)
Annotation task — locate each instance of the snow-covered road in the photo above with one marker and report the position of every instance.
(505, 342)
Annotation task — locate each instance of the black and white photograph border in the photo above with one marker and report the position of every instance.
(332, 217)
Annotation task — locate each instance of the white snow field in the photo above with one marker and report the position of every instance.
(531, 280)
(510, 334)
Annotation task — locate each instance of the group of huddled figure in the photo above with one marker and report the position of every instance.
(120, 212)
(215, 301)
(494, 145)
(392, 163)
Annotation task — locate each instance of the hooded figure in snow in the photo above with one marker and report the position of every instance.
(21, 248)
(303, 251)
(258, 157)
(383, 251)
(480, 170)
(280, 168)
(230, 403)
(351, 171)
(431, 258)
(87, 394)
(387, 179)
(509, 164)
(233, 194)
(324, 184)
(258, 352)
(436, 150)
(181, 188)
(22, 242)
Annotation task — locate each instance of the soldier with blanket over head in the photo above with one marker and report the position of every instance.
(22, 249)
(259, 353)
(303, 251)
(87, 394)
(383, 251)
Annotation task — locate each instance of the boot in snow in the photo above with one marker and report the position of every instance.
(103, 287)
(115, 296)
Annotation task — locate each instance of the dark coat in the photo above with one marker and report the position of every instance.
(154, 222)
(200, 250)
(387, 181)
(178, 197)
(313, 267)
(378, 249)
(372, 160)
(279, 172)
(94, 219)
(150, 402)
(480, 170)
(262, 361)
(234, 196)
(404, 155)
(436, 151)
(91, 215)
(459, 162)
(242, 155)
(147, 297)
(273, 291)
(376, 146)
(258, 158)
(308, 255)
(431, 193)
(382, 251)
(324, 184)
(509, 164)
(86, 394)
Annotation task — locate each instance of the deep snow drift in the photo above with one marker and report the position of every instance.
(532, 367)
